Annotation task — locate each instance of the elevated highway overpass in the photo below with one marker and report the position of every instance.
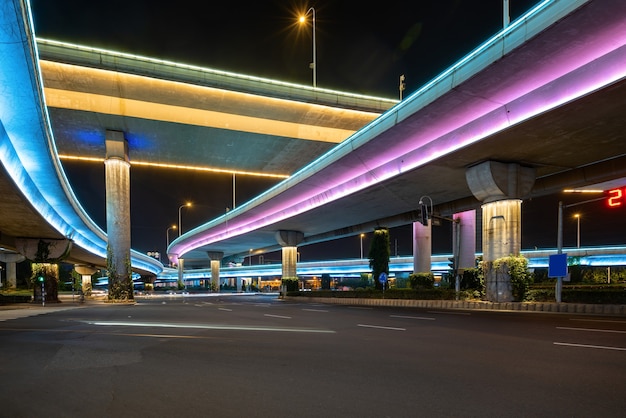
(59, 101)
(544, 95)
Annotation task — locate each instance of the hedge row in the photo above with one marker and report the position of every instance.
(613, 296)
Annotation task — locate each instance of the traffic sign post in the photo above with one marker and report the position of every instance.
(43, 290)
(557, 267)
(382, 278)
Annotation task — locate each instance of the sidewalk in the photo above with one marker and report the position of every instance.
(23, 310)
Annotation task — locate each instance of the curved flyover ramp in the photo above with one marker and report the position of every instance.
(37, 201)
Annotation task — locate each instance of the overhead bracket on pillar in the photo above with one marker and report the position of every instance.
(43, 250)
(490, 181)
(289, 238)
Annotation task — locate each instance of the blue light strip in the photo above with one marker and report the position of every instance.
(27, 148)
(587, 256)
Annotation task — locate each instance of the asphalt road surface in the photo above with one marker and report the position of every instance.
(259, 356)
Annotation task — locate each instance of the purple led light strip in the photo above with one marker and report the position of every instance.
(568, 74)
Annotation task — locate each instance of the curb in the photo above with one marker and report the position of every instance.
(549, 307)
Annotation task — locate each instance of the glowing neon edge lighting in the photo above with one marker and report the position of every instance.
(563, 88)
(587, 256)
(178, 166)
(27, 149)
(211, 70)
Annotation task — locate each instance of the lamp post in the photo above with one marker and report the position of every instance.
(314, 63)
(250, 257)
(180, 230)
(362, 235)
(167, 233)
(577, 216)
(559, 238)
(506, 17)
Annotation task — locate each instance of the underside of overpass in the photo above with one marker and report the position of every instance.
(551, 101)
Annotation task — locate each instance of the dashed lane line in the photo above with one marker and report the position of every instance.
(601, 347)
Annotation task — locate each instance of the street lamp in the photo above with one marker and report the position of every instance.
(362, 235)
(314, 63)
(559, 237)
(167, 233)
(577, 216)
(180, 230)
(250, 257)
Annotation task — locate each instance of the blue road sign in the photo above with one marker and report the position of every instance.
(383, 277)
(557, 265)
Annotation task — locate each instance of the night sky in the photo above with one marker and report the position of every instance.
(360, 48)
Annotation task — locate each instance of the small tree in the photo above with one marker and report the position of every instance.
(325, 281)
(422, 281)
(380, 251)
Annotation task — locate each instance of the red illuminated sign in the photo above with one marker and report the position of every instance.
(617, 197)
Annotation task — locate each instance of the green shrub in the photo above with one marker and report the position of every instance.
(422, 281)
(290, 284)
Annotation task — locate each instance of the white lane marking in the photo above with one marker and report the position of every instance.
(593, 330)
(209, 326)
(602, 347)
(224, 309)
(277, 316)
(598, 320)
(450, 313)
(315, 310)
(381, 327)
(425, 318)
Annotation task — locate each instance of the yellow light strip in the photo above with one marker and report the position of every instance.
(180, 167)
(117, 106)
(205, 70)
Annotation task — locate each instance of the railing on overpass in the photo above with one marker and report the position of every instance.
(158, 68)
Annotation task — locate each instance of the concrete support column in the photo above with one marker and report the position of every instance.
(11, 260)
(85, 273)
(216, 259)
(181, 271)
(464, 239)
(11, 275)
(500, 186)
(289, 260)
(502, 229)
(48, 291)
(422, 247)
(289, 240)
(45, 254)
(117, 185)
(501, 238)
